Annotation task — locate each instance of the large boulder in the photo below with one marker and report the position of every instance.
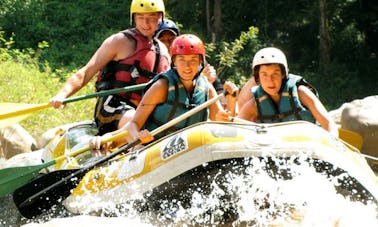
(16, 144)
(23, 159)
(360, 116)
(15, 140)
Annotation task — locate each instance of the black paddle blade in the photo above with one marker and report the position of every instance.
(39, 195)
(31, 205)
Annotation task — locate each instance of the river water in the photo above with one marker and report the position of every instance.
(252, 192)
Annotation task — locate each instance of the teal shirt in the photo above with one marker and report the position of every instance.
(178, 102)
(289, 107)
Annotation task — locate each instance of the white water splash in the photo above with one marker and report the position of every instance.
(309, 199)
(294, 195)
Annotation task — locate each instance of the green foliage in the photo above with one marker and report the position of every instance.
(227, 57)
(233, 59)
(66, 34)
(22, 81)
(73, 28)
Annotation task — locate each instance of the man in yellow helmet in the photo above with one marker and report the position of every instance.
(129, 57)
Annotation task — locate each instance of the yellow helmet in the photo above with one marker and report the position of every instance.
(146, 6)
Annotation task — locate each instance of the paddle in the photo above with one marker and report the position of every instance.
(14, 177)
(41, 194)
(352, 138)
(11, 113)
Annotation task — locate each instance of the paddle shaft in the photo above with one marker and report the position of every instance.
(87, 148)
(369, 157)
(75, 177)
(107, 92)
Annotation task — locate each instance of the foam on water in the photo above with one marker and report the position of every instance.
(292, 192)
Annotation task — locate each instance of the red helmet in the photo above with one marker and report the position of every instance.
(188, 44)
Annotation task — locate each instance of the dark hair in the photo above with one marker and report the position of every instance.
(256, 70)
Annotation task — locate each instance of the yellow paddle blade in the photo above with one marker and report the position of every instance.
(353, 138)
(12, 113)
(12, 120)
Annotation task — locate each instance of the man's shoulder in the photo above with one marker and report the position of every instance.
(120, 38)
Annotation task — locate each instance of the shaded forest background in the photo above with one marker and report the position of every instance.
(333, 44)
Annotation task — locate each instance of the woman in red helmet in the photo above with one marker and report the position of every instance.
(175, 92)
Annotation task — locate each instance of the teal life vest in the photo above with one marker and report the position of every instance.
(289, 107)
(178, 102)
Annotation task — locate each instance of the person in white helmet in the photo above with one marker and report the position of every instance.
(126, 58)
(280, 96)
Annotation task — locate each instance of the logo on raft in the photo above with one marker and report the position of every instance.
(175, 145)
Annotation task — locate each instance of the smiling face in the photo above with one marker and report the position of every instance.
(147, 23)
(270, 77)
(187, 65)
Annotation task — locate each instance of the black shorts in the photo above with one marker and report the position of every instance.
(109, 111)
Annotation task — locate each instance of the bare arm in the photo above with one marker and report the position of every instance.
(115, 47)
(216, 110)
(245, 94)
(249, 111)
(309, 100)
(232, 97)
(155, 95)
(215, 107)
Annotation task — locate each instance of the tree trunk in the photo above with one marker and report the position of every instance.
(217, 19)
(324, 41)
(213, 19)
(208, 18)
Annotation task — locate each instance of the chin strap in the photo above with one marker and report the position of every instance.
(201, 68)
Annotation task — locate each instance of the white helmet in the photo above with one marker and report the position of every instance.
(270, 55)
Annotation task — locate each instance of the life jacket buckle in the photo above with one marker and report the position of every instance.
(280, 116)
(190, 106)
(134, 72)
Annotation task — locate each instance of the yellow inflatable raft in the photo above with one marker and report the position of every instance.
(175, 167)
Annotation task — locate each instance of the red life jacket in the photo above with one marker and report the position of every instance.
(147, 61)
